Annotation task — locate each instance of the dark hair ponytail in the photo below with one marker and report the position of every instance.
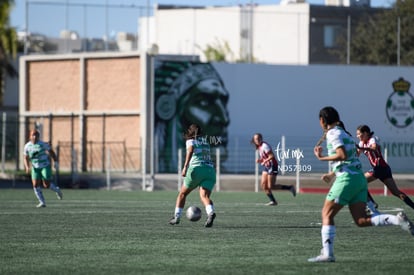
(193, 131)
(342, 125)
(365, 129)
(329, 115)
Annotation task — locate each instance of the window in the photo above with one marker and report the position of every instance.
(330, 36)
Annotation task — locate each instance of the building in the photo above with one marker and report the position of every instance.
(293, 33)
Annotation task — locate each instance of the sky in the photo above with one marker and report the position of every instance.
(90, 18)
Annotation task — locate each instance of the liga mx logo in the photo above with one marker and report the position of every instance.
(400, 104)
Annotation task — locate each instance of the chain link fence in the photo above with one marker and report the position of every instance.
(102, 155)
(123, 158)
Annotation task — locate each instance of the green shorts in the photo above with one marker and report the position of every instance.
(349, 189)
(44, 173)
(204, 176)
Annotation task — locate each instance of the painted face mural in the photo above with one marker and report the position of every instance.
(185, 93)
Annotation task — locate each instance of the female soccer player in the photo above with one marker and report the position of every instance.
(368, 144)
(38, 154)
(349, 188)
(198, 171)
(270, 169)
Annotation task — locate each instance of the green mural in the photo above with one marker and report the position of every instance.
(188, 92)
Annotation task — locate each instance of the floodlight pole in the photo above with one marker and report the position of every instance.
(398, 40)
(348, 44)
(26, 26)
(150, 57)
(152, 121)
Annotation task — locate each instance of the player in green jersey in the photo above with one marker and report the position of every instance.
(349, 188)
(37, 161)
(198, 171)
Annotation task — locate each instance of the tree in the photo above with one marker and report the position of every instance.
(375, 39)
(8, 43)
(218, 51)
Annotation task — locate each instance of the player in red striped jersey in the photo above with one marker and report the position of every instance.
(369, 145)
(270, 169)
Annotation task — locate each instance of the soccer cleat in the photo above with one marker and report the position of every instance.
(59, 194)
(210, 220)
(405, 223)
(371, 212)
(175, 220)
(40, 205)
(322, 259)
(371, 209)
(293, 190)
(271, 203)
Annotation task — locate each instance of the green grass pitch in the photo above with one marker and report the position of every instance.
(124, 232)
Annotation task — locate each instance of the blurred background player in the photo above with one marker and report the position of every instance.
(369, 145)
(349, 188)
(38, 155)
(269, 169)
(198, 171)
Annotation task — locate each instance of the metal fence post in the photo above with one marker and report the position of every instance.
(108, 169)
(180, 164)
(298, 172)
(386, 160)
(256, 172)
(3, 145)
(217, 169)
(57, 170)
(74, 166)
(283, 164)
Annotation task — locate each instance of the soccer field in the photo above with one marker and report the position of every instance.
(120, 232)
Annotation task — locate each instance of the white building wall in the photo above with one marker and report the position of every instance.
(280, 32)
(189, 31)
(146, 28)
(219, 27)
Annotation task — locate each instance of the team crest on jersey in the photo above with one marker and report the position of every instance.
(400, 104)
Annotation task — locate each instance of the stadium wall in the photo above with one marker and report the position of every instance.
(285, 101)
(93, 102)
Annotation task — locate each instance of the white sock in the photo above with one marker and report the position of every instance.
(39, 194)
(53, 187)
(178, 211)
(209, 209)
(384, 219)
(328, 233)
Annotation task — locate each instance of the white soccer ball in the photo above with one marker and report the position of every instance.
(193, 213)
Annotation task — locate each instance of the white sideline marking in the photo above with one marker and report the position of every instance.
(396, 209)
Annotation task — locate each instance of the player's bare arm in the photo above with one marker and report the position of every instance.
(26, 163)
(188, 156)
(339, 155)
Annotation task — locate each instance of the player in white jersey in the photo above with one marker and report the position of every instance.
(37, 155)
(349, 188)
(198, 171)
